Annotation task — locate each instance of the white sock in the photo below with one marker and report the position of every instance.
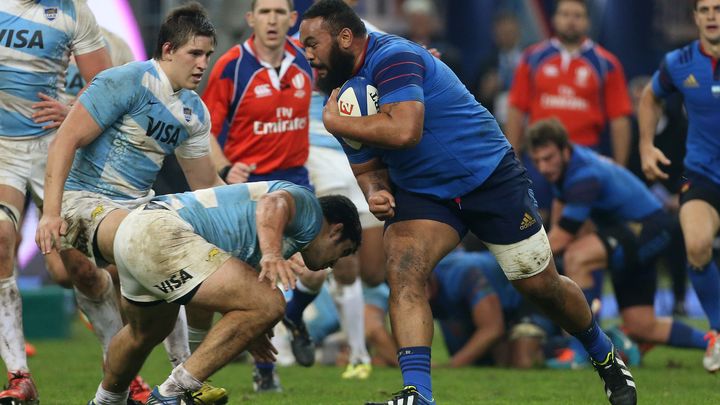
(352, 320)
(105, 397)
(179, 381)
(195, 337)
(176, 343)
(103, 313)
(12, 338)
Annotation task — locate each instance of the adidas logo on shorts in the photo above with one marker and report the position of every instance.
(527, 222)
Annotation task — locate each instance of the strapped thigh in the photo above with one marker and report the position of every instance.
(10, 213)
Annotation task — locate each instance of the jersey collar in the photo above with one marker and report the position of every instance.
(713, 61)
(361, 60)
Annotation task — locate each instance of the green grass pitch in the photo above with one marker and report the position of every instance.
(68, 372)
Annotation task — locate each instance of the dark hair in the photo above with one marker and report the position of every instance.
(581, 2)
(338, 209)
(336, 15)
(254, 2)
(548, 131)
(181, 25)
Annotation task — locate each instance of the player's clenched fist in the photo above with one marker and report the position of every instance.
(382, 204)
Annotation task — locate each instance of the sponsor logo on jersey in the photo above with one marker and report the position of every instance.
(174, 282)
(187, 113)
(21, 38)
(51, 13)
(551, 71)
(690, 82)
(285, 121)
(564, 100)
(581, 76)
(527, 222)
(162, 131)
(262, 90)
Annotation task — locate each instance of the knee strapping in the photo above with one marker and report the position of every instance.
(9, 213)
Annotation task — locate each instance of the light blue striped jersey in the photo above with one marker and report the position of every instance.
(143, 120)
(225, 217)
(36, 39)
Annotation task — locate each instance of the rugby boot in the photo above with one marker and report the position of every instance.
(139, 390)
(711, 360)
(157, 399)
(358, 371)
(407, 396)
(20, 390)
(303, 347)
(619, 383)
(210, 395)
(266, 381)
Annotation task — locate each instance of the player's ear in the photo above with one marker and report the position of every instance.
(250, 18)
(293, 18)
(336, 232)
(345, 38)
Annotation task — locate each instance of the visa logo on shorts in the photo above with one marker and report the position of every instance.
(174, 282)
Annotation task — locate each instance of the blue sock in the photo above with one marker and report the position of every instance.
(682, 335)
(297, 304)
(415, 367)
(706, 283)
(596, 342)
(594, 292)
(577, 346)
(265, 368)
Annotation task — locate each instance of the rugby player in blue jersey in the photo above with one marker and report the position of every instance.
(37, 40)
(693, 71)
(204, 249)
(434, 164)
(631, 229)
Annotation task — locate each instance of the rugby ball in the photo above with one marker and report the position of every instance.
(358, 98)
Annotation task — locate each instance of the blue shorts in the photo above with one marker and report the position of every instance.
(696, 186)
(501, 211)
(298, 175)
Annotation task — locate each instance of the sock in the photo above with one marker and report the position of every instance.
(596, 342)
(105, 397)
(575, 345)
(352, 319)
(594, 292)
(706, 282)
(103, 313)
(302, 297)
(176, 343)
(179, 381)
(195, 337)
(12, 338)
(264, 368)
(682, 335)
(415, 368)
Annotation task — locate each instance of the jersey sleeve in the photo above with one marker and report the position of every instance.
(399, 76)
(578, 198)
(356, 152)
(219, 90)
(617, 99)
(198, 143)
(112, 94)
(307, 221)
(87, 36)
(662, 82)
(521, 89)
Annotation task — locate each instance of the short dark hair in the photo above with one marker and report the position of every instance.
(338, 209)
(289, 2)
(181, 24)
(548, 131)
(336, 15)
(581, 2)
